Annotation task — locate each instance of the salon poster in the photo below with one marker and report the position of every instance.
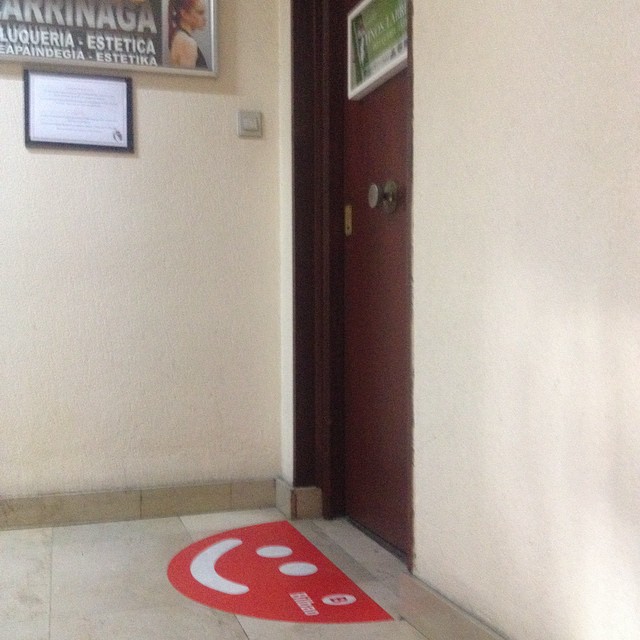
(153, 35)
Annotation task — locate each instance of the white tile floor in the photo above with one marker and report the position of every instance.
(108, 582)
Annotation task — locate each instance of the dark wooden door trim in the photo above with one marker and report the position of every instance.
(318, 98)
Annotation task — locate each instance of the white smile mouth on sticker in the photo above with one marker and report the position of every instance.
(203, 568)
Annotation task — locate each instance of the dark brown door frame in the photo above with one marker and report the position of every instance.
(319, 93)
(318, 98)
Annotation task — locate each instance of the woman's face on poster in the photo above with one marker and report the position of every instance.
(195, 17)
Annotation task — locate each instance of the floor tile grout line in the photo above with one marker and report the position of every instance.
(184, 526)
(413, 627)
(318, 531)
(244, 631)
(333, 540)
(366, 564)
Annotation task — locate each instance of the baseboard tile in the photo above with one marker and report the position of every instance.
(259, 494)
(437, 618)
(64, 509)
(182, 501)
(298, 503)
(84, 508)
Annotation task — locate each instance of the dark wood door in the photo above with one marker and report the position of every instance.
(378, 406)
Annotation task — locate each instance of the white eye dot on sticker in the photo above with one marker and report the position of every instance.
(298, 569)
(274, 551)
(339, 599)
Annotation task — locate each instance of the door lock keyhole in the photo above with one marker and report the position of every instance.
(385, 196)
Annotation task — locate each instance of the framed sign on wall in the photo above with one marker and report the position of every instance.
(78, 111)
(176, 36)
(378, 44)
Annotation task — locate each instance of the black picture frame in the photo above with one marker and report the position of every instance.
(78, 111)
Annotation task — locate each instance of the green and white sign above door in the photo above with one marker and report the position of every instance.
(378, 40)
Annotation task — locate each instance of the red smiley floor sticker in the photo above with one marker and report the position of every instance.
(270, 571)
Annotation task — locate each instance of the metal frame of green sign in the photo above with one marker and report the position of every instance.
(173, 36)
(378, 38)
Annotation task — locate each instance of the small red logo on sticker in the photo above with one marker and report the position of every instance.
(270, 571)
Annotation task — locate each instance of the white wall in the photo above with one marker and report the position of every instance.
(286, 243)
(140, 295)
(527, 313)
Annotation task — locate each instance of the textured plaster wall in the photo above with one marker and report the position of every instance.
(140, 295)
(527, 313)
(286, 243)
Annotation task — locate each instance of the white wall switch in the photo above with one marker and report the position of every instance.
(250, 124)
